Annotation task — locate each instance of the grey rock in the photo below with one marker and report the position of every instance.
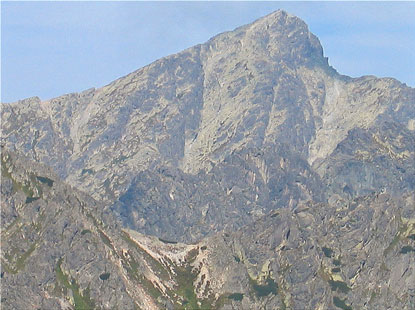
(291, 186)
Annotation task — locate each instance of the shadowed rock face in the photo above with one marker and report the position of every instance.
(291, 185)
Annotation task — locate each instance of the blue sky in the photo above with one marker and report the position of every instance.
(52, 48)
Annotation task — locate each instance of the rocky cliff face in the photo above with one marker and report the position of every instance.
(290, 185)
(63, 250)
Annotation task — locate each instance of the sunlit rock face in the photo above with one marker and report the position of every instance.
(242, 173)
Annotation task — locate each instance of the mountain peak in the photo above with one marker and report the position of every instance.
(279, 36)
(248, 139)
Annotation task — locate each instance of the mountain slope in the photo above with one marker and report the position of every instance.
(242, 173)
(262, 83)
(264, 86)
(61, 251)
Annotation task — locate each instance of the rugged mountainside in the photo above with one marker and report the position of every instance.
(264, 86)
(242, 173)
(63, 250)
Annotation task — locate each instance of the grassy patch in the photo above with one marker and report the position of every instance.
(372, 297)
(105, 239)
(15, 221)
(340, 303)
(156, 266)
(7, 268)
(339, 286)
(85, 231)
(185, 278)
(393, 243)
(26, 187)
(82, 302)
(399, 236)
(21, 260)
(270, 287)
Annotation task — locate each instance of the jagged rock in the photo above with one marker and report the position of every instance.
(290, 185)
(264, 86)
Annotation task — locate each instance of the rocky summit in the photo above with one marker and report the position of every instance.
(242, 173)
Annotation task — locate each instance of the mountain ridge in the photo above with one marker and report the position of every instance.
(264, 85)
(242, 173)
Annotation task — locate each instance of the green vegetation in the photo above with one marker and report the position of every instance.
(340, 303)
(24, 187)
(20, 261)
(339, 286)
(236, 296)
(85, 231)
(15, 221)
(82, 302)
(399, 236)
(372, 297)
(105, 276)
(406, 249)
(149, 287)
(393, 243)
(337, 269)
(105, 239)
(270, 287)
(185, 278)
(156, 266)
(327, 251)
(337, 262)
(237, 259)
(7, 268)
(45, 180)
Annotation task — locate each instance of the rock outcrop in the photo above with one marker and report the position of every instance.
(242, 173)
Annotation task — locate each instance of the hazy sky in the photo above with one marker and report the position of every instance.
(52, 48)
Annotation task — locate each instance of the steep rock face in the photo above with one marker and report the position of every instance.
(348, 255)
(243, 187)
(55, 246)
(62, 250)
(264, 86)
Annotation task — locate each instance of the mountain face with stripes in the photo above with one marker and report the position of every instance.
(242, 173)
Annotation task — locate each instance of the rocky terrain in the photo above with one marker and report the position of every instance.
(63, 250)
(242, 173)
